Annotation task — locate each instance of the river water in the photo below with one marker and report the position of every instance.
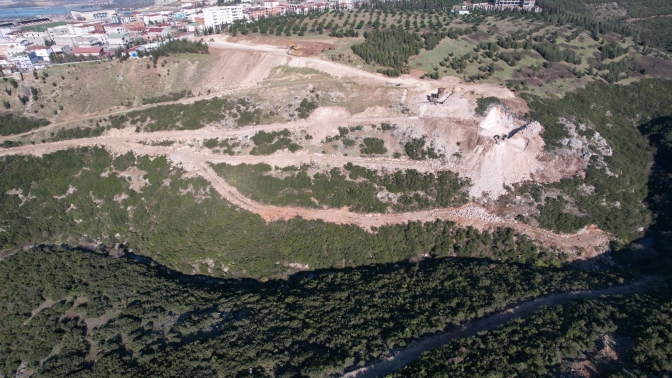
(20, 13)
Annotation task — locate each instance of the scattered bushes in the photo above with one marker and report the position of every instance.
(269, 143)
(173, 96)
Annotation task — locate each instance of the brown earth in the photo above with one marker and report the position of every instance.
(307, 47)
(466, 140)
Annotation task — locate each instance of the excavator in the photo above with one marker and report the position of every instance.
(293, 49)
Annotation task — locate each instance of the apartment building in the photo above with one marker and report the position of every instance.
(217, 16)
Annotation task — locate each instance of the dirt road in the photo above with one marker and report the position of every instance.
(195, 159)
(416, 349)
(198, 162)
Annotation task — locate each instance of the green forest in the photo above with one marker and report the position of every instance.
(536, 346)
(84, 313)
(16, 124)
(613, 111)
(87, 196)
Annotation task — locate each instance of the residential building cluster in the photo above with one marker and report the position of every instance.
(526, 5)
(99, 32)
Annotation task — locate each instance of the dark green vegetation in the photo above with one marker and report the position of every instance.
(16, 124)
(484, 104)
(76, 133)
(564, 46)
(94, 315)
(306, 107)
(641, 325)
(373, 146)
(268, 143)
(173, 96)
(649, 20)
(224, 146)
(85, 195)
(415, 149)
(353, 186)
(390, 48)
(619, 179)
(536, 346)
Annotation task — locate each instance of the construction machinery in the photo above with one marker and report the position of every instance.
(440, 96)
(293, 49)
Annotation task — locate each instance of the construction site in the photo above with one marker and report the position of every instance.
(495, 151)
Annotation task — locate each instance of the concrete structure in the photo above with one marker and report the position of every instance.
(5, 29)
(66, 40)
(58, 30)
(193, 26)
(42, 52)
(255, 13)
(88, 51)
(114, 28)
(218, 16)
(38, 38)
(91, 15)
(91, 40)
(81, 28)
(156, 33)
(153, 18)
(126, 18)
(25, 60)
(118, 39)
(514, 3)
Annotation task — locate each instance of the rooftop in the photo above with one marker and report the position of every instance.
(87, 50)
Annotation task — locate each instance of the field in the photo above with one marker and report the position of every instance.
(70, 91)
(522, 69)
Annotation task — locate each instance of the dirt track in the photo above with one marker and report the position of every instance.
(197, 161)
(416, 349)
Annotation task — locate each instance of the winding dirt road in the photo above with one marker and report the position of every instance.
(198, 163)
(415, 350)
(190, 156)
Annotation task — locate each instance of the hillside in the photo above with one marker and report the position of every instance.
(335, 194)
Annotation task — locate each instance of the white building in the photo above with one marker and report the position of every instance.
(217, 16)
(154, 18)
(81, 29)
(114, 28)
(38, 38)
(91, 15)
(66, 40)
(515, 3)
(118, 39)
(42, 52)
(82, 41)
(58, 30)
(25, 60)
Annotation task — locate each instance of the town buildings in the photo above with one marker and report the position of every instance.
(219, 16)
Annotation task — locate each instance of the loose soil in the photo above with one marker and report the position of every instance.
(466, 140)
